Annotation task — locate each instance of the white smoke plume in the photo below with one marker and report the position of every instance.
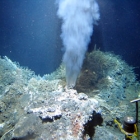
(78, 17)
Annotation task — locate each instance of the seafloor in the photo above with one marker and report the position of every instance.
(42, 108)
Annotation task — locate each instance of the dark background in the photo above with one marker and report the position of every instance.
(118, 30)
(29, 34)
(30, 30)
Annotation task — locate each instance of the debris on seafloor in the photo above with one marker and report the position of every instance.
(42, 108)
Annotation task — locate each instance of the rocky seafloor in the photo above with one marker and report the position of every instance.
(42, 108)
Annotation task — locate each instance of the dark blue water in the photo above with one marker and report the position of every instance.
(119, 30)
(29, 34)
(30, 29)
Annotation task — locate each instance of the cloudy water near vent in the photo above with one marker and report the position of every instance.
(30, 32)
(68, 68)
